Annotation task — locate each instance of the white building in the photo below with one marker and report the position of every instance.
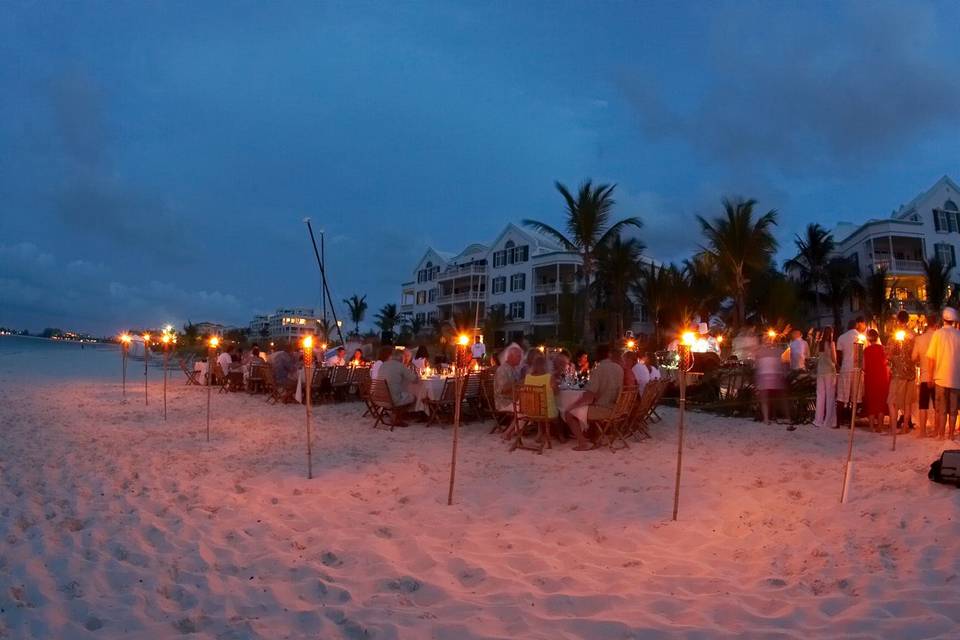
(926, 227)
(522, 272)
(285, 324)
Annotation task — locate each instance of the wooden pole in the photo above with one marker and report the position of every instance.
(848, 467)
(146, 355)
(682, 410)
(307, 372)
(210, 359)
(123, 355)
(458, 387)
(166, 356)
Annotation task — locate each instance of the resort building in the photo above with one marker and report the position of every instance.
(209, 329)
(284, 324)
(521, 276)
(926, 227)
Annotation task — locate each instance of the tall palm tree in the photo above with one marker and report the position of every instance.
(654, 288)
(741, 245)
(936, 275)
(618, 266)
(357, 308)
(839, 285)
(810, 263)
(587, 228)
(700, 276)
(874, 295)
(388, 317)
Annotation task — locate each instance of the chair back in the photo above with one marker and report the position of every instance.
(471, 387)
(380, 394)
(340, 376)
(268, 381)
(532, 401)
(449, 393)
(256, 373)
(218, 373)
(628, 395)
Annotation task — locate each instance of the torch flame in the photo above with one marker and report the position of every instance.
(463, 340)
(214, 342)
(689, 338)
(308, 342)
(631, 344)
(125, 338)
(900, 335)
(771, 333)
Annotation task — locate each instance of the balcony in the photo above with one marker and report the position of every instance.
(550, 317)
(463, 271)
(896, 265)
(554, 286)
(463, 296)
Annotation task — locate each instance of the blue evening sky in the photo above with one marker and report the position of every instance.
(157, 158)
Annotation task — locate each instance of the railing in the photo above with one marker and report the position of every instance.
(463, 271)
(466, 296)
(552, 287)
(897, 265)
(551, 317)
(406, 306)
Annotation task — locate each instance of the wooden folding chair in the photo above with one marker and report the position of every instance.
(189, 372)
(611, 429)
(471, 394)
(255, 378)
(362, 381)
(531, 410)
(339, 382)
(636, 423)
(382, 403)
(445, 404)
(220, 378)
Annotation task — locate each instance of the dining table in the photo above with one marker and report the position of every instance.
(427, 388)
(565, 399)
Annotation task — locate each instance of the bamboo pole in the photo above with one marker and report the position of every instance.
(682, 410)
(146, 357)
(462, 342)
(854, 392)
(166, 357)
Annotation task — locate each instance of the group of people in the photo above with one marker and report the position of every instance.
(613, 370)
(886, 380)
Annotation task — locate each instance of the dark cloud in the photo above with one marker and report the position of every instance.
(803, 91)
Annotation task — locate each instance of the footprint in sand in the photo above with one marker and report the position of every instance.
(330, 559)
(404, 584)
(93, 623)
(384, 532)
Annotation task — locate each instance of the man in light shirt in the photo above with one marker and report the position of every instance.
(478, 350)
(225, 360)
(942, 355)
(845, 352)
(337, 359)
(925, 391)
(797, 352)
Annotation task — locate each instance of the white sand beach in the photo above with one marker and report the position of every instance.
(117, 524)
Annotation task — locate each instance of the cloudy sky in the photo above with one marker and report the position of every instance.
(157, 158)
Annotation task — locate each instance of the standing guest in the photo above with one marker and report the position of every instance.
(826, 415)
(797, 351)
(337, 359)
(478, 350)
(903, 375)
(925, 391)
(599, 396)
(846, 345)
(398, 379)
(422, 358)
(382, 356)
(943, 354)
(876, 381)
(507, 377)
(770, 379)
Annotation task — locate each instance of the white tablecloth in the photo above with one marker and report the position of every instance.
(565, 398)
(431, 388)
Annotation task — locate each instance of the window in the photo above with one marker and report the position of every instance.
(421, 297)
(516, 310)
(946, 254)
(539, 308)
(432, 295)
(431, 316)
(940, 220)
(518, 282)
(511, 254)
(499, 284)
(421, 317)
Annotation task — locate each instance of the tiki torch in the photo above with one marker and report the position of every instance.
(211, 355)
(899, 336)
(459, 365)
(308, 379)
(854, 391)
(146, 357)
(124, 350)
(684, 365)
(166, 339)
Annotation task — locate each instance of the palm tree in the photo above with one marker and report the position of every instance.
(936, 275)
(387, 318)
(839, 285)
(654, 288)
(415, 325)
(810, 263)
(875, 295)
(700, 277)
(618, 266)
(587, 228)
(741, 245)
(357, 308)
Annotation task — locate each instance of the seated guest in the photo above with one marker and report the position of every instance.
(253, 355)
(538, 376)
(337, 359)
(562, 368)
(507, 377)
(398, 379)
(600, 395)
(628, 363)
(285, 367)
(407, 359)
(357, 357)
(644, 372)
(225, 359)
(581, 364)
(382, 356)
(422, 358)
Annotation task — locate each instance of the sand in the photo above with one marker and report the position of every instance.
(116, 524)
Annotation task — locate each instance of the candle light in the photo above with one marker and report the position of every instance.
(631, 344)
(900, 335)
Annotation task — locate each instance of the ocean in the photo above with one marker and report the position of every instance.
(24, 356)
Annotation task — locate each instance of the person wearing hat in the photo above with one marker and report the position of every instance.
(942, 356)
